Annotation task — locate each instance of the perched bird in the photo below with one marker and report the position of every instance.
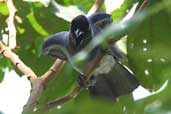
(111, 78)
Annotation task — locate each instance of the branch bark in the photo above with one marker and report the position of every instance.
(10, 23)
(55, 68)
(64, 99)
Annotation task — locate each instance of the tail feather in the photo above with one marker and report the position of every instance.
(119, 81)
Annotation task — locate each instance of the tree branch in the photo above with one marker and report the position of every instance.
(96, 7)
(10, 23)
(54, 69)
(66, 98)
(6, 51)
(37, 84)
(35, 93)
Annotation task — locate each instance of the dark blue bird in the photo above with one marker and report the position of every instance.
(111, 78)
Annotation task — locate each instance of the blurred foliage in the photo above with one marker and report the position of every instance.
(148, 52)
(3, 9)
(149, 45)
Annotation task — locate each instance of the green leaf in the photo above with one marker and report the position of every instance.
(35, 24)
(148, 50)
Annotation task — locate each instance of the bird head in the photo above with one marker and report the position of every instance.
(80, 32)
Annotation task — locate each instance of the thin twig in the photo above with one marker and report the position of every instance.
(66, 98)
(10, 23)
(96, 7)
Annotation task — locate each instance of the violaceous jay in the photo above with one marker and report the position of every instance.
(111, 78)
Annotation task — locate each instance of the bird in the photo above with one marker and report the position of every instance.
(110, 79)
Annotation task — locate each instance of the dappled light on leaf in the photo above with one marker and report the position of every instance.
(148, 48)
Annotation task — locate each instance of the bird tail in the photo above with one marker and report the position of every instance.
(119, 81)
